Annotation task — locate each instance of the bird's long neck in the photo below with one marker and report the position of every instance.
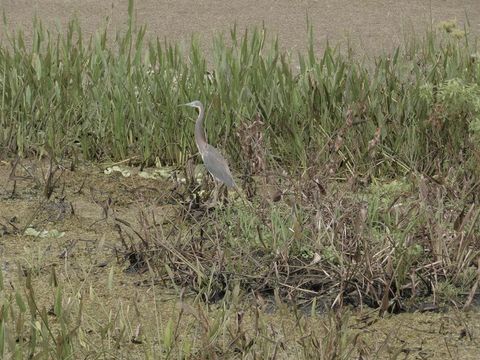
(199, 132)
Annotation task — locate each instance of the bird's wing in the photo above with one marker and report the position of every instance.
(217, 166)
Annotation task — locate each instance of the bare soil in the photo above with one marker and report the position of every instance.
(370, 25)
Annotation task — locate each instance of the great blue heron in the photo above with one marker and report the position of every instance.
(213, 160)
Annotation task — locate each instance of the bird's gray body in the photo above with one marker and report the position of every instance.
(217, 166)
(213, 160)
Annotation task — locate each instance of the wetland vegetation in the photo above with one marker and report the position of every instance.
(360, 238)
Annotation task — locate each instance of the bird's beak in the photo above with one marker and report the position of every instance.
(187, 104)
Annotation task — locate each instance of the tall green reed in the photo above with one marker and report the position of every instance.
(119, 99)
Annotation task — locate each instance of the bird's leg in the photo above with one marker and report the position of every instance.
(213, 194)
(224, 193)
(223, 190)
(221, 193)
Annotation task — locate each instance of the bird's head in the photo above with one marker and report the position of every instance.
(195, 104)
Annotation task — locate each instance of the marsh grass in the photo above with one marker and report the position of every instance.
(60, 328)
(387, 246)
(116, 98)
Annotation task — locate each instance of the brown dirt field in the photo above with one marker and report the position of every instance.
(371, 26)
